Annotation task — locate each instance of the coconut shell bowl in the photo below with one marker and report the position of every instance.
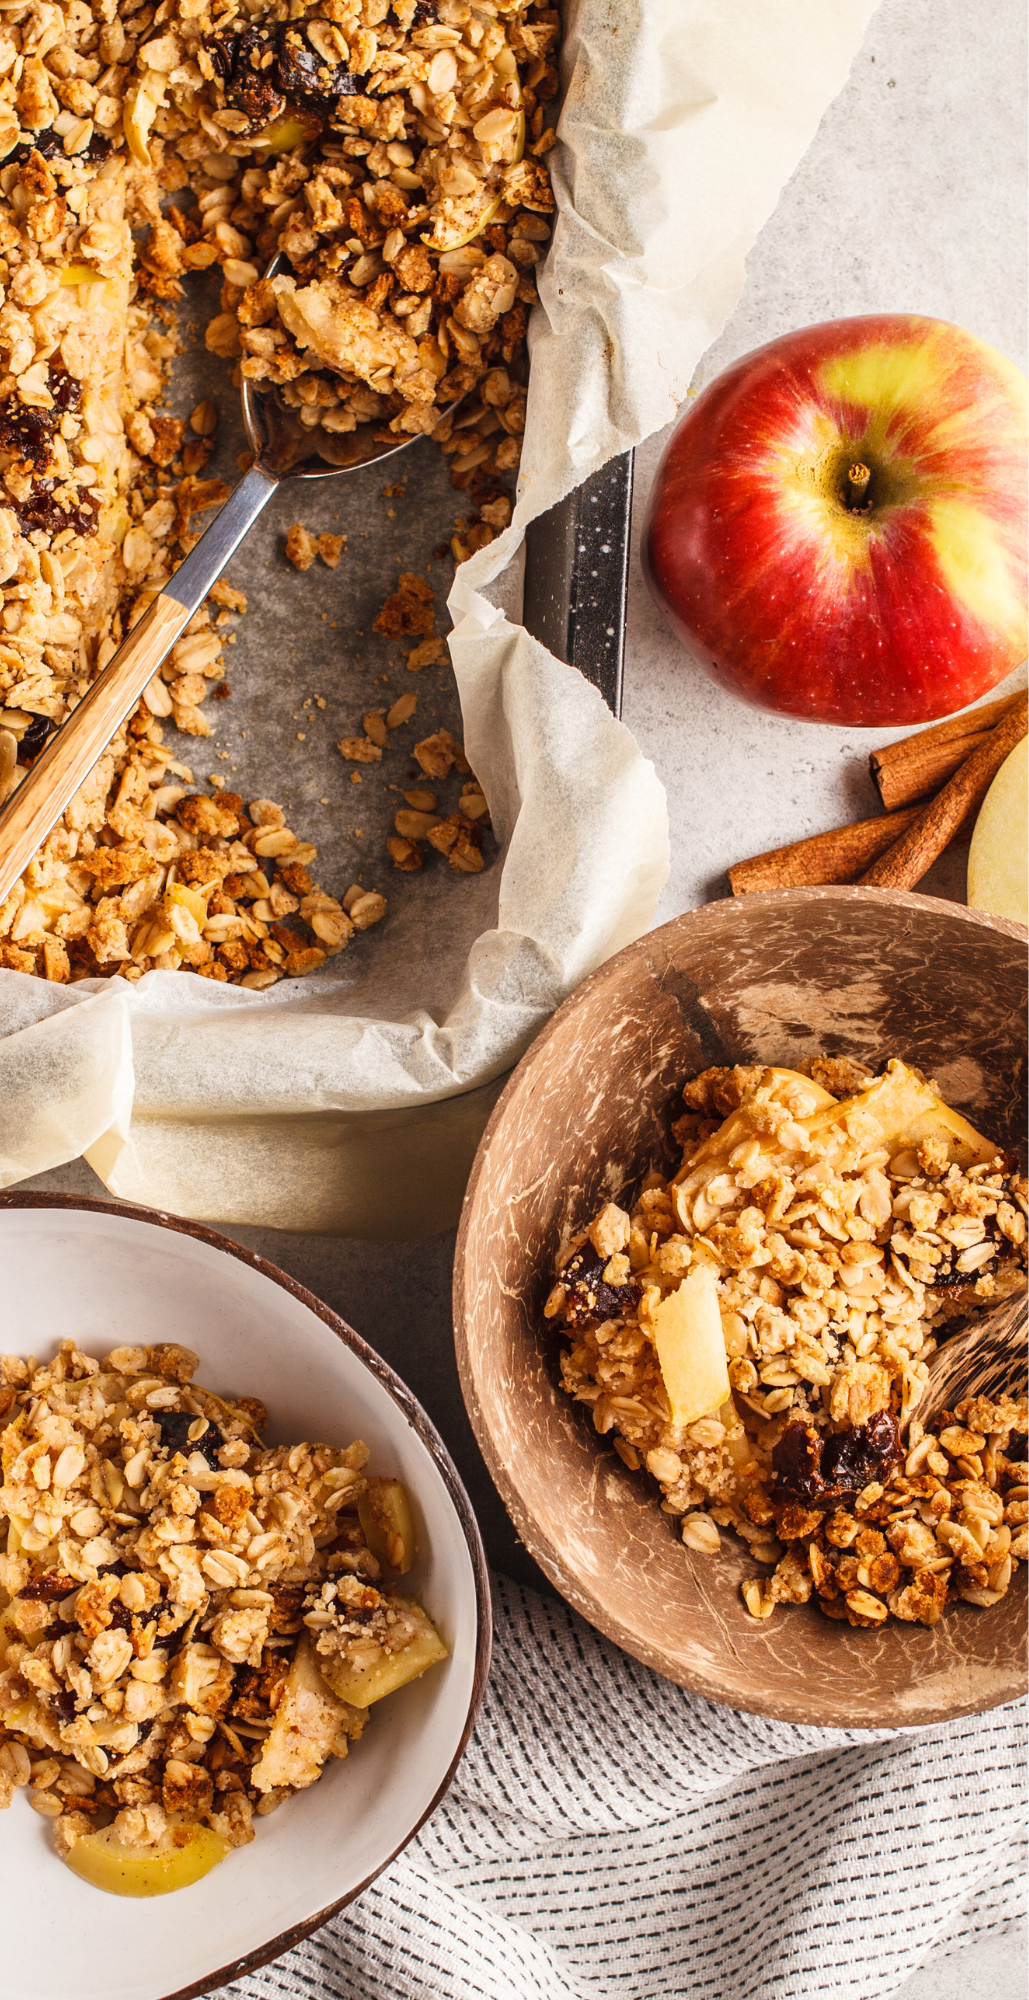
(774, 978)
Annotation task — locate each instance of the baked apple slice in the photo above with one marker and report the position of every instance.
(387, 1524)
(182, 1855)
(372, 1676)
(687, 1327)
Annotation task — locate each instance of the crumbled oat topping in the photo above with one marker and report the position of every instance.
(166, 1578)
(842, 1257)
(394, 156)
(202, 882)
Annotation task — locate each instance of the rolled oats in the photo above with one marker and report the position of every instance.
(840, 1261)
(177, 1594)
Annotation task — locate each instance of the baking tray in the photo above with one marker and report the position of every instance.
(576, 577)
(304, 664)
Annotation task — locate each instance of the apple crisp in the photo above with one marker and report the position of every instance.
(755, 1332)
(392, 157)
(194, 1621)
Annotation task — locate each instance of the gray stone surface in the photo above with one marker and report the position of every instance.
(910, 198)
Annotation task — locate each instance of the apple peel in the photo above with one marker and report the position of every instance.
(861, 601)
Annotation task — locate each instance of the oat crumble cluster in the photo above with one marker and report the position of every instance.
(392, 153)
(182, 1601)
(841, 1258)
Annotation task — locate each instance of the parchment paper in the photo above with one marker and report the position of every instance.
(351, 1102)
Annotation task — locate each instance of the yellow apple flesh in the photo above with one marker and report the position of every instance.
(998, 859)
(909, 1112)
(384, 1511)
(360, 1686)
(687, 1329)
(181, 1856)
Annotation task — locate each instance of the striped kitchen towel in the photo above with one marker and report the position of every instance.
(609, 1834)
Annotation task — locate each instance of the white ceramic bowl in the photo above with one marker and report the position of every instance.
(108, 1275)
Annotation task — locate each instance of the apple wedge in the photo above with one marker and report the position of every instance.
(311, 1724)
(384, 1512)
(738, 1126)
(909, 1112)
(687, 1328)
(180, 1857)
(474, 224)
(360, 1686)
(998, 861)
(290, 129)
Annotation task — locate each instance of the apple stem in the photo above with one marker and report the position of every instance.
(857, 485)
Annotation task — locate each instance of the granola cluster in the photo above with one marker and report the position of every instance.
(391, 154)
(167, 1580)
(841, 1259)
(147, 876)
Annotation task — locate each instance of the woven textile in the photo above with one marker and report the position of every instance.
(609, 1834)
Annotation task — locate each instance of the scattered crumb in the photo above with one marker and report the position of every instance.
(226, 593)
(402, 710)
(301, 547)
(408, 613)
(330, 548)
(497, 512)
(430, 653)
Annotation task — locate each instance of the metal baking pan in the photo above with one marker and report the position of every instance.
(305, 664)
(576, 577)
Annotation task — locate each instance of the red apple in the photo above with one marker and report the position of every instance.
(804, 595)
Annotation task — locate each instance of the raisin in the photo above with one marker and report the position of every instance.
(260, 68)
(41, 510)
(36, 735)
(818, 1471)
(46, 1589)
(589, 1298)
(50, 145)
(26, 433)
(174, 1427)
(247, 65)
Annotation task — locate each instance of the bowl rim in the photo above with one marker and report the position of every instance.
(421, 1423)
(539, 1544)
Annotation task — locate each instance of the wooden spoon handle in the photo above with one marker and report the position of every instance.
(66, 762)
(69, 757)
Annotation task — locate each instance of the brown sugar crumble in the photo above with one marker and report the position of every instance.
(840, 1252)
(192, 1623)
(394, 156)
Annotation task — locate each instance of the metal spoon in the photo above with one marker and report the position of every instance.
(283, 450)
(987, 1358)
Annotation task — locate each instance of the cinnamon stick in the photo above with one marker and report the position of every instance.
(913, 854)
(918, 765)
(837, 856)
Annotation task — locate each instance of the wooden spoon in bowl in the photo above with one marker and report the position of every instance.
(987, 1358)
